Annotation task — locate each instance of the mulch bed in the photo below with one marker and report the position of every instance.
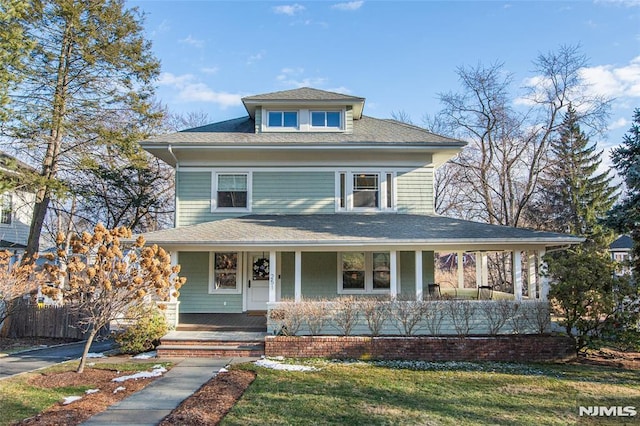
(80, 411)
(212, 401)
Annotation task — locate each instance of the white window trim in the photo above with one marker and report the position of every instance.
(368, 274)
(239, 274)
(266, 127)
(10, 209)
(328, 128)
(214, 191)
(382, 191)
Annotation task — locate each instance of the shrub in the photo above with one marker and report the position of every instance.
(376, 312)
(407, 315)
(345, 314)
(145, 332)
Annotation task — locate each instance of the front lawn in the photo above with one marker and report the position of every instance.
(433, 393)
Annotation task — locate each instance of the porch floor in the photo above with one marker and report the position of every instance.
(245, 322)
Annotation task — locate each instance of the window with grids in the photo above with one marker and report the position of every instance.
(225, 273)
(285, 119)
(232, 190)
(327, 119)
(365, 272)
(6, 209)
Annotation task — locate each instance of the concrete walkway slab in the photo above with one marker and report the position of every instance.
(153, 403)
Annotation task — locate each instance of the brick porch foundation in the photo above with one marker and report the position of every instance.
(518, 348)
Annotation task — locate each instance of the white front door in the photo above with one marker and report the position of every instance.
(258, 283)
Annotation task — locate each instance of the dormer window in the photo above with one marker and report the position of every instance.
(287, 119)
(326, 119)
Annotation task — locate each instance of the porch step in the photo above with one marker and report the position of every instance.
(207, 344)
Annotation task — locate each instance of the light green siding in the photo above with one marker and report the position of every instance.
(415, 191)
(287, 275)
(348, 120)
(194, 295)
(293, 192)
(258, 120)
(319, 275)
(407, 274)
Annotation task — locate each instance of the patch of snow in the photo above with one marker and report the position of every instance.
(95, 355)
(275, 365)
(119, 389)
(69, 399)
(90, 391)
(157, 371)
(91, 364)
(223, 370)
(146, 355)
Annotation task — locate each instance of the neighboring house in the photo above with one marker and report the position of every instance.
(16, 204)
(306, 197)
(620, 251)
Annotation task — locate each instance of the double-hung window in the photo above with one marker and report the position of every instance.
(231, 191)
(282, 119)
(326, 119)
(6, 209)
(225, 272)
(364, 272)
(365, 191)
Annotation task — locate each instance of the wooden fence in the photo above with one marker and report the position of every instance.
(29, 320)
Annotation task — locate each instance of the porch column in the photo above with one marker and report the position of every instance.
(174, 261)
(460, 269)
(273, 275)
(544, 281)
(531, 281)
(516, 273)
(485, 268)
(393, 273)
(418, 272)
(482, 269)
(478, 269)
(297, 291)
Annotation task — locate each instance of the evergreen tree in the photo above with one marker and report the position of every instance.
(625, 216)
(86, 87)
(577, 196)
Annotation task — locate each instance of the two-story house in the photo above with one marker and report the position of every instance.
(307, 197)
(16, 204)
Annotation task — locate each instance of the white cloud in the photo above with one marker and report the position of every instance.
(294, 77)
(620, 123)
(291, 9)
(209, 70)
(192, 41)
(189, 89)
(255, 58)
(351, 5)
(627, 3)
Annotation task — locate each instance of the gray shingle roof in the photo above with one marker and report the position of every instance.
(623, 242)
(303, 94)
(351, 229)
(367, 130)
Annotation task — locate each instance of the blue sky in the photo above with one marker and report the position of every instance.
(398, 55)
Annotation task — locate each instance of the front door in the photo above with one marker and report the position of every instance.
(258, 284)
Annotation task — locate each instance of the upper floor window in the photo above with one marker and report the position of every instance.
(365, 191)
(329, 119)
(287, 119)
(231, 191)
(6, 209)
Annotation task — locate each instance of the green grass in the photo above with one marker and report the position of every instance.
(447, 394)
(20, 400)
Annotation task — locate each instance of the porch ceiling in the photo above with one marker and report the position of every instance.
(355, 230)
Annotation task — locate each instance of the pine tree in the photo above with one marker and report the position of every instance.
(625, 216)
(87, 85)
(578, 196)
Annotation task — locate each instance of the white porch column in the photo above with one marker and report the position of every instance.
(544, 281)
(531, 279)
(297, 291)
(485, 268)
(393, 273)
(273, 275)
(478, 269)
(460, 269)
(516, 273)
(418, 274)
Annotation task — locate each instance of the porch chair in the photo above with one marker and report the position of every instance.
(434, 291)
(485, 292)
